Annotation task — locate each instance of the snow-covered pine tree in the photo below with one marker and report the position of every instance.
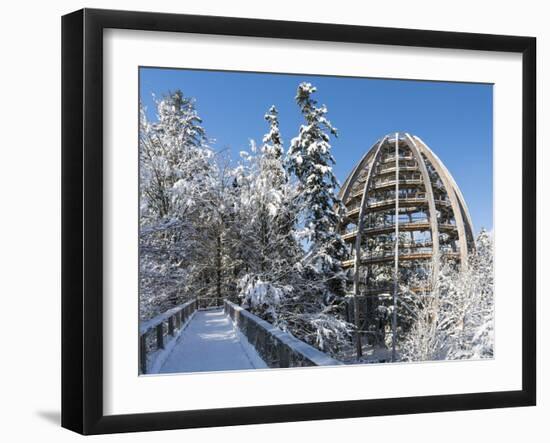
(267, 193)
(312, 280)
(272, 151)
(310, 160)
(281, 248)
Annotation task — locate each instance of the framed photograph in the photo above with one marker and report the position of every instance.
(269, 221)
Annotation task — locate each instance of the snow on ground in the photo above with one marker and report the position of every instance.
(211, 343)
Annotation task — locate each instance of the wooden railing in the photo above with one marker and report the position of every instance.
(402, 168)
(404, 158)
(277, 348)
(167, 324)
(209, 303)
(403, 256)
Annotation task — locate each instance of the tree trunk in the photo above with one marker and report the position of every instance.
(219, 266)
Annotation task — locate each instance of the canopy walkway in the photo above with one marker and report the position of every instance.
(205, 335)
(211, 343)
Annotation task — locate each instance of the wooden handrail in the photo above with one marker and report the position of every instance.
(175, 318)
(385, 257)
(145, 326)
(278, 348)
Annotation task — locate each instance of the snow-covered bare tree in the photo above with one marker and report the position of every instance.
(267, 199)
(176, 176)
(218, 256)
(173, 157)
(456, 321)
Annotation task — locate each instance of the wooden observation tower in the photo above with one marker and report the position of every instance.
(402, 214)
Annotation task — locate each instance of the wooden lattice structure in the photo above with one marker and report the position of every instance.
(402, 212)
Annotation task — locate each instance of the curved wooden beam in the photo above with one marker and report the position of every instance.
(361, 218)
(350, 180)
(458, 204)
(360, 224)
(455, 185)
(431, 203)
(348, 184)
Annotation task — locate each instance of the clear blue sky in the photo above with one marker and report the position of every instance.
(454, 119)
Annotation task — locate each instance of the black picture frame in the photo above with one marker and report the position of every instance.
(82, 219)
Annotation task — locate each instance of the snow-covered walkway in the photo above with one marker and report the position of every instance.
(210, 342)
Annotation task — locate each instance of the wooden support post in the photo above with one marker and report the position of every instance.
(262, 342)
(143, 353)
(396, 253)
(284, 360)
(250, 332)
(357, 263)
(160, 336)
(171, 326)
